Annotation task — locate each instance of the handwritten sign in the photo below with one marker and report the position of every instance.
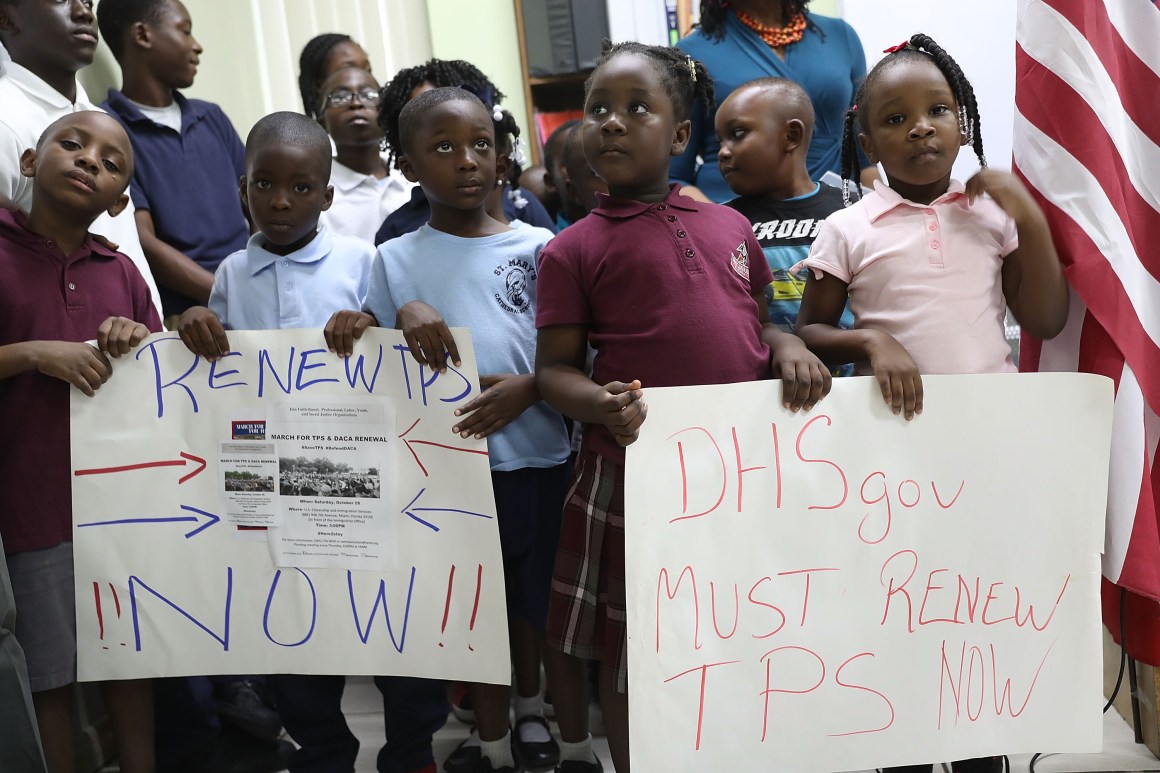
(225, 515)
(844, 589)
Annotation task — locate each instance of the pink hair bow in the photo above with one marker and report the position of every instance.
(901, 46)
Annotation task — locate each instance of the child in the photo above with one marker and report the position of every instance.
(764, 129)
(479, 273)
(294, 274)
(80, 168)
(405, 86)
(667, 292)
(322, 56)
(581, 184)
(49, 42)
(553, 173)
(365, 189)
(186, 229)
(950, 255)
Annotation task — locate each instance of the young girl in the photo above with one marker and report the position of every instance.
(665, 290)
(926, 262)
(405, 86)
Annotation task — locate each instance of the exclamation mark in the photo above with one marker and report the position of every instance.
(100, 616)
(117, 603)
(447, 603)
(475, 606)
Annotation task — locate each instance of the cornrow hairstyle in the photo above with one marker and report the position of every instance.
(115, 17)
(713, 13)
(440, 73)
(918, 46)
(686, 80)
(311, 66)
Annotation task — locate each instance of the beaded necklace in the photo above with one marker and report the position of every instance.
(776, 37)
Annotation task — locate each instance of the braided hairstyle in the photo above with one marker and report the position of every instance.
(713, 13)
(440, 73)
(312, 68)
(919, 46)
(507, 142)
(686, 80)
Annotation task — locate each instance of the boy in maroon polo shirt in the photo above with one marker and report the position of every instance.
(58, 289)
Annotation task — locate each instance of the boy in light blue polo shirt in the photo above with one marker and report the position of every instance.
(292, 273)
(296, 274)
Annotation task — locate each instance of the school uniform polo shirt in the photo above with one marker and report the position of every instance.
(254, 289)
(415, 213)
(362, 201)
(27, 106)
(46, 295)
(666, 290)
(930, 275)
(188, 181)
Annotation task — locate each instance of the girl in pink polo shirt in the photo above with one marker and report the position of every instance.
(669, 291)
(929, 265)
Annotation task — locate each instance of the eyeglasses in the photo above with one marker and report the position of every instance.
(340, 98)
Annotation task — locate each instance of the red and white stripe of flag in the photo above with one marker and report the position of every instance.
(1087, 143)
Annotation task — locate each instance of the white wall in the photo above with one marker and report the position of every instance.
(250, 64)
(979, 34)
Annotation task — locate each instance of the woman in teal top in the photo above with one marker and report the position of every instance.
(739, 40)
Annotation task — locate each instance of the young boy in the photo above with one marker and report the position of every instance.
(481, 274)
(189, 157)
(58, 289)
(765, 127)
(296, 274)
(49, 41)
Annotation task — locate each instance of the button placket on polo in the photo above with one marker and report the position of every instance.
(680, 234)
(932, 233)
(287, 297)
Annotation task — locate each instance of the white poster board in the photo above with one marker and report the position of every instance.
(284, 511)
(843, 589)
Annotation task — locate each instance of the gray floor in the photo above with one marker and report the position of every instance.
(363, 706)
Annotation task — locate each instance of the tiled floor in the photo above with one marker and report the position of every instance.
(363, 706)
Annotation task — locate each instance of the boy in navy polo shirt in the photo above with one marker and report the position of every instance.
(58, 289)
(189, 158)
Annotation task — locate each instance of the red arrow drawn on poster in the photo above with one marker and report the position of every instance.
(183, 461)
(409, 443)
(409, 510)
(209, 518)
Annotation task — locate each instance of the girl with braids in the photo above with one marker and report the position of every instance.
(410, 83)
(929, 265)
(742, 40)
(322, 56)
(669, 291)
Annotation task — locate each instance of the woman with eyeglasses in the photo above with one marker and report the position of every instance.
(365, 188)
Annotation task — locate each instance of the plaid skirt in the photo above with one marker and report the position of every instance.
(587, 616)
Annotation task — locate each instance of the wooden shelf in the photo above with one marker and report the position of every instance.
(546, 94)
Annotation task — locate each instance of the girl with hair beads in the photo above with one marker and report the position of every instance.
(925, 261)
(669, 292)
(405, 86)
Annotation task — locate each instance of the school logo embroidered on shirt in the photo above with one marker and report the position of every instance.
(740, 261)
(517, 276)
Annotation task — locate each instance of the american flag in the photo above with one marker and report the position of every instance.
(1087, 143)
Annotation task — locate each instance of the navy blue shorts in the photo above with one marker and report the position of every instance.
(529, 503)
